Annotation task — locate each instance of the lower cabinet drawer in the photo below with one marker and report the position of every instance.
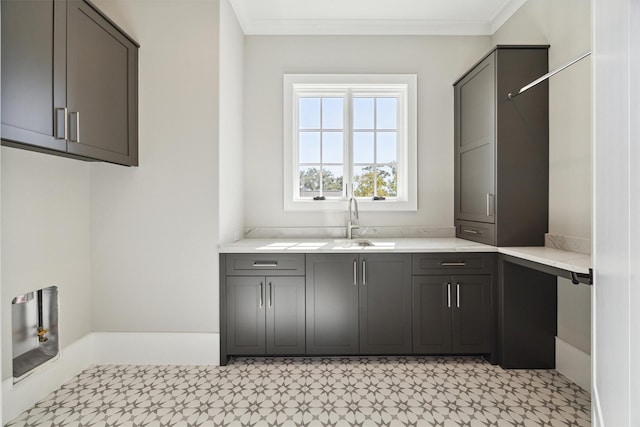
(452, 263)
(477, 231)
(265, 264)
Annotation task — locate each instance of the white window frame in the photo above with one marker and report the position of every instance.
(404, 86)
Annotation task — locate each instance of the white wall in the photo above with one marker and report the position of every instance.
(45, 239)
(1, 346)
(438, 61)
(616, 347)
(154, 228)
(231, 121)
(566, 27)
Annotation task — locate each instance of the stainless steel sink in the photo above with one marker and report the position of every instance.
(353, 243)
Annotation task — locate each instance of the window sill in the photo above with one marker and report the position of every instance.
(341, 205)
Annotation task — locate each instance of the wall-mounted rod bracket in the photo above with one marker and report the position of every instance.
(577, 278)
(546, 76)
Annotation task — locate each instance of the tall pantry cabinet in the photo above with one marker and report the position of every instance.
(502, 149)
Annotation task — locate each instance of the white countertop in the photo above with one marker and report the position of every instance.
(399, 245)
(571, 261)
(565, 260)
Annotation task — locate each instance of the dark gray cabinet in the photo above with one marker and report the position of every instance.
(452, 313)
(350, 304)
(245, 315)
(332, 304)
(262, 304)
(431, 314)
(69, 81)
(34, 92)
(385, 304)
(358, 304)
(265, 315)
(502, 149)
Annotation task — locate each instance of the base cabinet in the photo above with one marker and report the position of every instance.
(265, 315)
(352, 304)
(452, 314)
(332, 304)
(358, 304)
(452, 303)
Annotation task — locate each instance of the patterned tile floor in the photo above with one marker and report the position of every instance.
(385, 391)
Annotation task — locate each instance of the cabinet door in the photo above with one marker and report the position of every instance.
(34, 72)
(332, 304)
(475, 144)
(245, 315)
(285, 315)
(385, 304)
(471, 328)
(432, 302)
(102, 83)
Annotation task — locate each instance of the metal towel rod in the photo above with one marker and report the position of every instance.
(546, 76)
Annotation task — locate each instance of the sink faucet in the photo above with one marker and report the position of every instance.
(351, 224)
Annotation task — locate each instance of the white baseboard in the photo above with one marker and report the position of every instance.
(73, 359)
(573, 363)
(156, 348)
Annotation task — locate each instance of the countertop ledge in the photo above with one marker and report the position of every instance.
(565, 260)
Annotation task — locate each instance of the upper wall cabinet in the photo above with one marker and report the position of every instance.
(69, 81)
(502, 149)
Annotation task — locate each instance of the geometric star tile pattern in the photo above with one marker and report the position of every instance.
(322, 391)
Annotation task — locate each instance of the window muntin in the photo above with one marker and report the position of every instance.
(321, 146)
(375, 147)
(347, 133)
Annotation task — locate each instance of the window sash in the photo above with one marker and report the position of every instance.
(348, 94)
(348, 87)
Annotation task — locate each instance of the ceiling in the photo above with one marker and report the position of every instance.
(373, 17)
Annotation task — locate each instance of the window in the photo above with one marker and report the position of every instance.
(350, 134)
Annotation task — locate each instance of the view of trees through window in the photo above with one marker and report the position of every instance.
(369, 150)
(370, 183)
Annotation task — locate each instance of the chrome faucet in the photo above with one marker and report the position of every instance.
(351, 224)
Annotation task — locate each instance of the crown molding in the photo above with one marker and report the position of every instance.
(370, 27)
(506, 12)
(366, 27)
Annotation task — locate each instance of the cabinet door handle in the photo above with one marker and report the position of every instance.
(265, 263)
(453, 263)
(364, 273)
(470, 231)
(261, 295)
(270, 295)
(65, 124)
(458, 295)
(355, 272)
(77, 138)
(489, 197)
(448, 295)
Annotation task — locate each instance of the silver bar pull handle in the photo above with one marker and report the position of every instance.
(489, 197)
(77, 135)
(261, 294)
(270, 295)
(355, 272)
(448, 295)
(65, 125)
(458, 295)
(470, 231)
(265, 263)
(364, 273)
(453, 263)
